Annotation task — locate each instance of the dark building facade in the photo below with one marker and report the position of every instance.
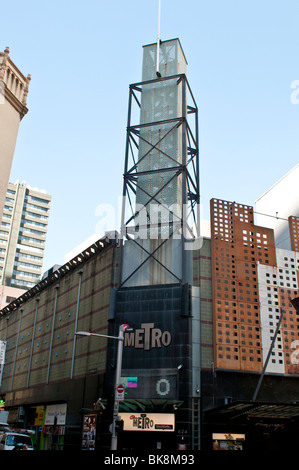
(157, 365)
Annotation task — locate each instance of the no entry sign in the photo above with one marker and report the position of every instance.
(120, 392)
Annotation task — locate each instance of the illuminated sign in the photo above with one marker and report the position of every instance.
(130, 382)
(222, 441)
(163, 422)
(89, 432)
(149, 385)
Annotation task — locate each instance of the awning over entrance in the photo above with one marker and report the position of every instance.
(143, 405)
(241, 411)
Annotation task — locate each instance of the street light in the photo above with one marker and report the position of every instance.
(120, 339)
(295, 303)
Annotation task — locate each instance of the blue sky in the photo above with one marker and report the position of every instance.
(242, 59)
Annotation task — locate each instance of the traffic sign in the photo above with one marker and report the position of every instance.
(120, 392)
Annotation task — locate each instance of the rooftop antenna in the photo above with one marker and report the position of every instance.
(158, 41)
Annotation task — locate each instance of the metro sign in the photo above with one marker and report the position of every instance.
(147, 337)
(162, 422)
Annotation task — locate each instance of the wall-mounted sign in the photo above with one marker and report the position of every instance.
(157, 352)
(149, 385)
(39, 416)
(55, 414)
(2, 351)
(163, 422)
(147, 337)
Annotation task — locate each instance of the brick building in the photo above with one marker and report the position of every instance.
(251, 388)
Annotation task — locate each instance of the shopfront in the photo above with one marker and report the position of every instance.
(147, 432)
(222, 441)
(252, 426)
(54, 427)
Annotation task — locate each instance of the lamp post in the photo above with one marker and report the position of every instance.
(295, 303)
(120, 339)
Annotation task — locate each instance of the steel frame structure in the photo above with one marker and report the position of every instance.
(187, 170)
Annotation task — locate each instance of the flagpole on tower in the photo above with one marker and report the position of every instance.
(158, 41)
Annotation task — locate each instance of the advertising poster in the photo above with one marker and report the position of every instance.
(89, 432)
(228, 441)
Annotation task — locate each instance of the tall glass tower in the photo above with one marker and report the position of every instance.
(161, 175)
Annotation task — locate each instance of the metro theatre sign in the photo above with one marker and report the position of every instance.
(157, 352)
(147, 337)
(155, 339)
(148, 421)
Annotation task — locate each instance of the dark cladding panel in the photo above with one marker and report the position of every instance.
(160, 333)
(157, 349)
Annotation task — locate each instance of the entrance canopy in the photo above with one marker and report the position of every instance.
(149, 405)
(241, 411)
(143, 406)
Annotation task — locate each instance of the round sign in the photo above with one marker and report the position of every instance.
(120, 388)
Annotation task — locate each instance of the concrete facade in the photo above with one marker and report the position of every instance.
(45, 362)
(9, 294)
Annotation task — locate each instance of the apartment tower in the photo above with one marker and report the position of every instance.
(23, 235)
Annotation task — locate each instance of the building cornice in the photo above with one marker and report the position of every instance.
(16, 85)
(11, 98)
(76, 263)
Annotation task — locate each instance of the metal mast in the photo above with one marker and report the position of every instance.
(160, 212)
